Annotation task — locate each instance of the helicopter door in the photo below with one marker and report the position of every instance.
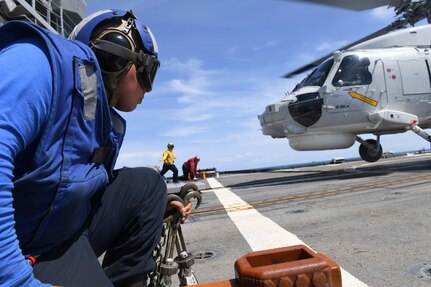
(377, 89)
(351, 82)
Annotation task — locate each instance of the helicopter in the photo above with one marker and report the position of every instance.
(379, 85)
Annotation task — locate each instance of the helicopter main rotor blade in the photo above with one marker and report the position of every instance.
(398, 24)
(354, 4)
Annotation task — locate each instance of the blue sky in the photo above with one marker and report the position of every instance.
(221, 64)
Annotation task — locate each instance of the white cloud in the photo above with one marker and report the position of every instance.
(232, 50)
(266, 45)
(185, 87)
(192, 114)
(140, 154)
(206, 94)
(323, 48)
(184, 131)
(138, 158)
(330, 46)
(174, 64)
(383, 14)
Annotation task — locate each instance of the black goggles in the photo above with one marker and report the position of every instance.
(146, 64)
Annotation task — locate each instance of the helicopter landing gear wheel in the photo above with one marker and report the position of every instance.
(371, 154)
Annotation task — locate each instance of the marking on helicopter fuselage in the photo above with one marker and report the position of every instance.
(363, 98)
(263, 233)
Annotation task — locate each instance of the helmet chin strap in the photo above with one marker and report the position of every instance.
(110, 81)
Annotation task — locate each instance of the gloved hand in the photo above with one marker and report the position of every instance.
(184, 210)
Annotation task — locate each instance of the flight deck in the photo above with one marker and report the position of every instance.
(372, 219)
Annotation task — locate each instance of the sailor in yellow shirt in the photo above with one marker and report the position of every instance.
(168, 162)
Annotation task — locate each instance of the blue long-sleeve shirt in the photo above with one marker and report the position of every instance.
(25, 98)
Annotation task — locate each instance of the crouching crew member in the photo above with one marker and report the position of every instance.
(62, 204)
(190, 168)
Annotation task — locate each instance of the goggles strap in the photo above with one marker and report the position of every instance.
(141, 59)
(116, 50)
(147, 65)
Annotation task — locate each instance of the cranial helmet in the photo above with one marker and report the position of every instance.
(197, 158)
(119, 40)
(170, 145)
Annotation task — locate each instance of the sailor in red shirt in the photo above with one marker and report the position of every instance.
(190, 168)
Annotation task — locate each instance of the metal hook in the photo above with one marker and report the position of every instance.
(193, 194)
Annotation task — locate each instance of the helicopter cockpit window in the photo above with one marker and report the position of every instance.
(353, 71)
(317, 77)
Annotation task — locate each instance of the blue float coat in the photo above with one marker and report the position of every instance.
(46, 176)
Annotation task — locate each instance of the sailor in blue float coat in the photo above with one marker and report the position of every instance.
(59, 139)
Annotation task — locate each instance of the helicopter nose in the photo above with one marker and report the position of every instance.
(291, 117)
(271, 120)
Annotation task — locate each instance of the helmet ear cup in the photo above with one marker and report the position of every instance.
(111, 63)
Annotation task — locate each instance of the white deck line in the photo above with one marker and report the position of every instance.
(263, 233)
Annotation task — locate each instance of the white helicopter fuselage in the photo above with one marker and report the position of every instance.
(370, 88)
